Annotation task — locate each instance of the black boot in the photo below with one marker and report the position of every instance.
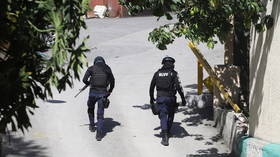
(164, 140)
(98, 135)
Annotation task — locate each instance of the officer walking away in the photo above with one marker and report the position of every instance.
(99, 77)
(167, 85)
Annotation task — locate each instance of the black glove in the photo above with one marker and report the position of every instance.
(183, 102)
(152, 100)
(108, 94)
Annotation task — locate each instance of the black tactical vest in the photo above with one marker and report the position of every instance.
(99, 78)
(165, 80)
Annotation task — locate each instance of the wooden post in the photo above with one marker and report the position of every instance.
(199, 78)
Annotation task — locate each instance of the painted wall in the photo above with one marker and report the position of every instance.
(93, 3)
(265, 79)
(115, 9)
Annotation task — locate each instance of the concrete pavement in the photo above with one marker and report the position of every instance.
(60, 126)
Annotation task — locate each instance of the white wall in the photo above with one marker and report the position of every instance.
(265, 80)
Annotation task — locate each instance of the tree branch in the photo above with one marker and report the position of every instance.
(40, 30)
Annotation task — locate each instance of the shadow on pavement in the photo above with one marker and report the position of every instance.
(55, 101)
(109, 125)
(191, 86)
(157, 128)
(143, 107)
(177, 131)
(216, 138)
(211, 141)
(211, 152)
(19, 147)
(197, 115)
(197, 137)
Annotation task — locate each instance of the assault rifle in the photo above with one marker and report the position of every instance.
(81, 90)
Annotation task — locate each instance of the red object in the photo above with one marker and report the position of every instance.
(113, 6)
(93, 3)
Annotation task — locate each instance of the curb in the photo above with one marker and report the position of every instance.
(235, 136)
(230, 129)
(253, 147)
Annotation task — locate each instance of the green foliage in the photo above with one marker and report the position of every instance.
(200, 20)
(27, 68)
(162, 36)
(85, 5)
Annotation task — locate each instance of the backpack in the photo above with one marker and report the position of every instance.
(99, 77)
(165, 80)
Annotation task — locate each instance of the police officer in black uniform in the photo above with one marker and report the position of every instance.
(167, 85)
(99, 77)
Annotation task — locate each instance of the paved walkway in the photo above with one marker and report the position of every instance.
(60, 126)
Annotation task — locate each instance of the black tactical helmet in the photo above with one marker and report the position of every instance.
(99, 59)
(168, 59)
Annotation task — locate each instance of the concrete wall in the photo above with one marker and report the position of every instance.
(265, 79)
